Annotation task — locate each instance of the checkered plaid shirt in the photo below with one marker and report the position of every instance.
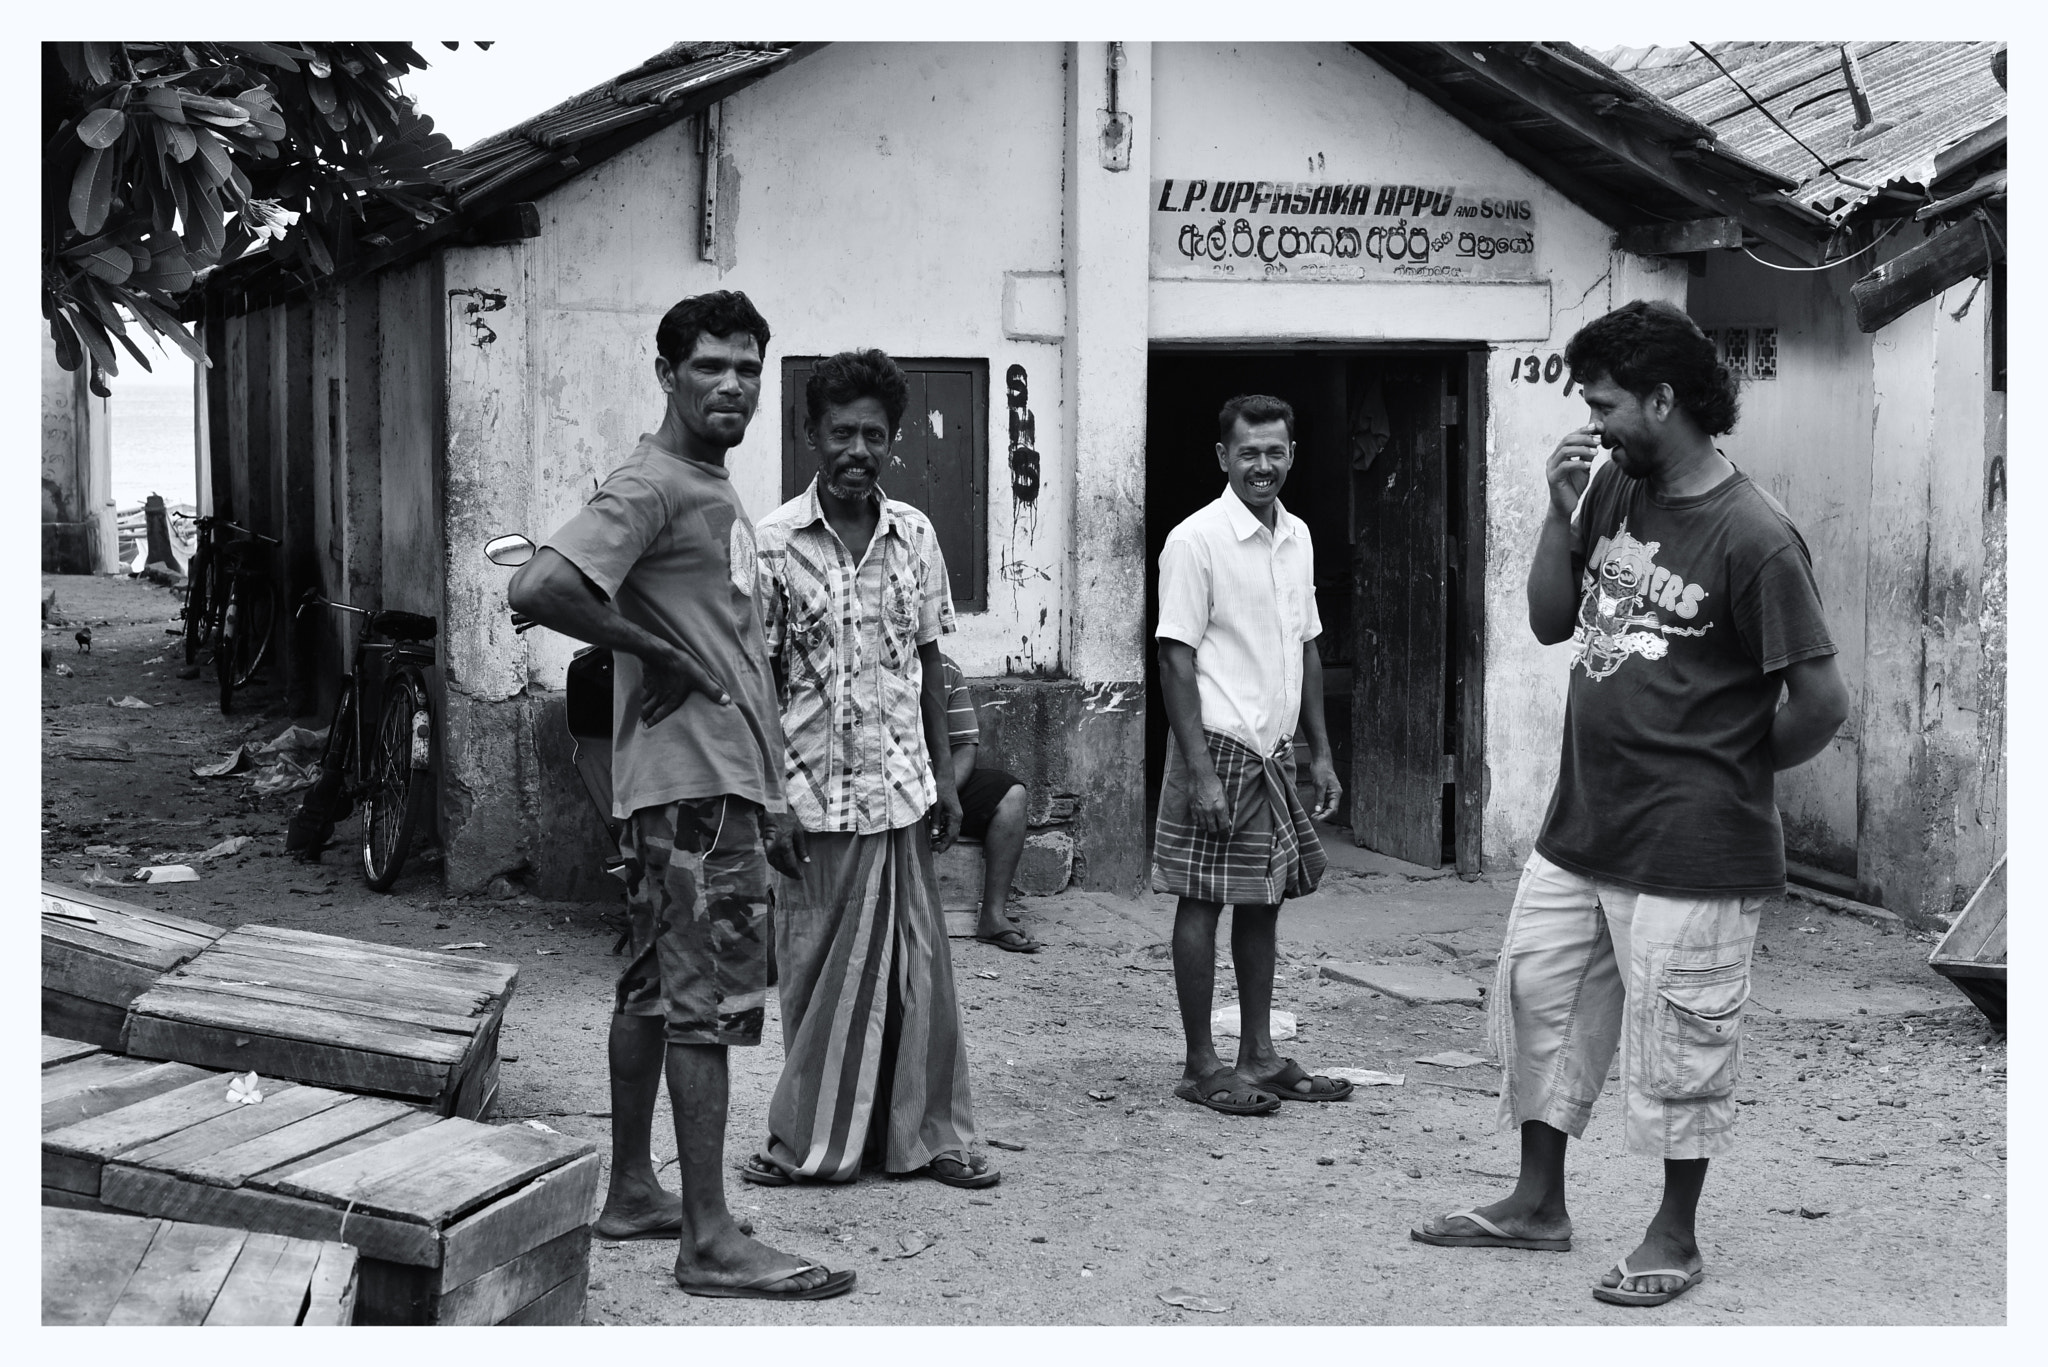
(844, 639)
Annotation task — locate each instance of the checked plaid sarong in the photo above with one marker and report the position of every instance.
(1271, 851)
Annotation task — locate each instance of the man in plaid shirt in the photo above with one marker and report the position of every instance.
(853, 600)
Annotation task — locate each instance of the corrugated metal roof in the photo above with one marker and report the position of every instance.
(643, 94)
(1925, 98)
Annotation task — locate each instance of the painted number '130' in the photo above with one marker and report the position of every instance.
(1539, 370)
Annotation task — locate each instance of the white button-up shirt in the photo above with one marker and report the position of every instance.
(1245, 598)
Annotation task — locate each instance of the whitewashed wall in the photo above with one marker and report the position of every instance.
(894, 228)
(1328, 113)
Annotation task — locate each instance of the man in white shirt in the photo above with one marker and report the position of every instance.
(1237, 650)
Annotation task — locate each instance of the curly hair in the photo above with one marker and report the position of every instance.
(854, 375)
(720, 313)
(1254, 409)
(1645, 343)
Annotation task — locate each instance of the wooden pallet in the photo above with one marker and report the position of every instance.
(127, 1269)
(407, 1023)
(1972, 954)
(457, 1222)
(99, 955)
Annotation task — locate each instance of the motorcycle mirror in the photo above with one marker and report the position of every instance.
(511, 551)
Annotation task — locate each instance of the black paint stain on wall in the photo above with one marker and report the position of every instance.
(1024, 478)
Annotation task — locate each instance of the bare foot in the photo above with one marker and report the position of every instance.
(626, 1218)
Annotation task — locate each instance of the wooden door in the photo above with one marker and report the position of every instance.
(1399, 624)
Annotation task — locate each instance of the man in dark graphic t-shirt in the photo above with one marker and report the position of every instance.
(1688, 600)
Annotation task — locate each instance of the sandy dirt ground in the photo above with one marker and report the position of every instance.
(1869, 1186)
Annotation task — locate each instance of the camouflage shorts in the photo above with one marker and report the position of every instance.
(697, 897)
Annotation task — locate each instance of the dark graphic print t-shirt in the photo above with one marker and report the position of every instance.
(1687, 608)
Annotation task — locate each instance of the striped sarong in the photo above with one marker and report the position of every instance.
(1270, 852)
(868, 1011)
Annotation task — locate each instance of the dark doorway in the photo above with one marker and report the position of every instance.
(1393, 497)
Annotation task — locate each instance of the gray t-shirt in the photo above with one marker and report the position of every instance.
(668, 541)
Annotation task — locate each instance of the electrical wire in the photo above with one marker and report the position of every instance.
(1774, 119)
(1826, 265)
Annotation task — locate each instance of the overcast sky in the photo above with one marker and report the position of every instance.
(471, 94)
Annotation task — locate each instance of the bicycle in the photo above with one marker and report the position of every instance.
(380, 745)
(205, 589)
(237, 605)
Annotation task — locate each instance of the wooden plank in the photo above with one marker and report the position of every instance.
(317, 1133)
(267, 1284)
(1470, 659)
(56, 1051)
(153, 1079)
(413, 1119)
(461, 1178)
(505, 1289)
(229, 968)
(477, 1080)
(75, 1017)
(117, 941)
(331, 1291)
(164, 1194)
(197, 1143)
(1977, 938)
(71, 1200)
(88, 1073)
(98, 977)
(1924, 270)
(341, 1177)
(70, 1173)
(266, 957)
(157, 921)
(106, 1136)
(504, 975)
(563, 1304)
(1676, 239)
(87, 1261)
(179, 1276)
(312, 1025)
(312, 995)
(358, 1070)
(545, 1208)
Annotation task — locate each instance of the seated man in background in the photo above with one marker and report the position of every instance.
(992, 806)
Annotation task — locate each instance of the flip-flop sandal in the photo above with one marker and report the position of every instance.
(763, 1173)
(763, 1288)
(1621, 1295)
(1015, 941)
(970, 1177)
(1291, 1074)
(1494, 1237)
(1202, 1091)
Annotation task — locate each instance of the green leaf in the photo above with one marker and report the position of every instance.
(134, 351)
(182, 141)
(165, 104)
(110, 264)
(99, 62)
(94, 333)
(92, 190)
(97, 383)
(102, 127)
(69, 352)
(213, 158)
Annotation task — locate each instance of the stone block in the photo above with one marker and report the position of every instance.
(1046, 864)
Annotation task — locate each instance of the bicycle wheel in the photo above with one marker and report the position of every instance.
(330, 799)
(226, 640)
(396, 800)
(199, 602)
(259, 620)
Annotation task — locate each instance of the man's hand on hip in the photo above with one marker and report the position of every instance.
(667, 679)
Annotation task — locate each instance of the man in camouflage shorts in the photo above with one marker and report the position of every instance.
(659, 566)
